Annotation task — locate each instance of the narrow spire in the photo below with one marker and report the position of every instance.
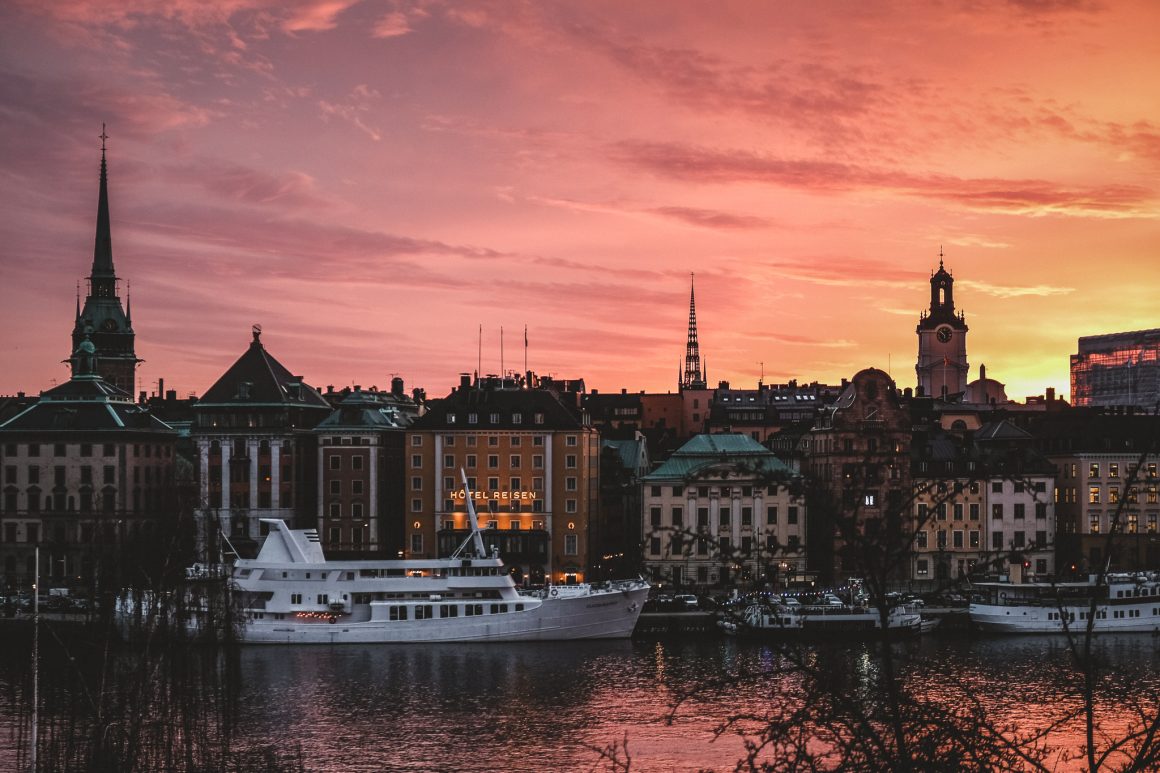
(693, 377)
(128, 304)
(940, 258)
(103, 249)
(78, 316)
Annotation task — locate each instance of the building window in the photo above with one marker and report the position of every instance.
(958, 511)
(451, 418)
(996, 540)
(922, 567)
(538, 462)
(570, 461)
(974, 511)
(416, 440)
(356, 510)
(1094, 495)
(416, 542)
(570, 483)
(654, 516)
(957, 539)
(416, 460)
(570, 505)
(654, 546)
(539, 418)
(571, 544)
(974, 539)
(492, 461)
(1113, 470)
(771, 514)
(997, 511)
(336, 487)
(515, 462)
(1094, 470)
(920, 539)
(473, 418)
(997, 487)
(335, 510)
(493, 441)
(1020, 508)
(941, 539)
(471, 461)
(791, 515)
(416, 483)
(335, 462)
(678, 516)
(416, 505)
(1019, 540)
(570, 440)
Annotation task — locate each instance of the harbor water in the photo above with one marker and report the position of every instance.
(531, 707)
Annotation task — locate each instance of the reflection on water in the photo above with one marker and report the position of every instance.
(544, 706)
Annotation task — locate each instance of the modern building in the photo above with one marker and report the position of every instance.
(89, 477)
(942, 340)
(1119, 369)
(103, 320)
(256, 453)
(723, 511)
(532, 462)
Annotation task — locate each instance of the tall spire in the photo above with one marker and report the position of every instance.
(693, 377)
(103, 249)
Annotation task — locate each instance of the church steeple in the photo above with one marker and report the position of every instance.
(694, 377)
(101, 320)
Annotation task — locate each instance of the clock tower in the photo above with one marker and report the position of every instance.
(103, 320)
(942, 340)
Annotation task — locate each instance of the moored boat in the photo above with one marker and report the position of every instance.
(1121, 603)
(775, 619)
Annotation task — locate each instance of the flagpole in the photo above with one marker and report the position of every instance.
(526, 350)
(501, 373)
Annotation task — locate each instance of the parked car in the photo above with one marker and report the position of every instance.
(685, 601)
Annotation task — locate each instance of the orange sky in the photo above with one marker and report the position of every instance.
(371, 181)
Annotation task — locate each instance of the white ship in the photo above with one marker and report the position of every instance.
(290, 594)
(765, 619)
(1123, 603)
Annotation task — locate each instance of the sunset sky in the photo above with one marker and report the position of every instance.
(372, 181)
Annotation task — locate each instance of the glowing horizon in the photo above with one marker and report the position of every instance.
(372, 181)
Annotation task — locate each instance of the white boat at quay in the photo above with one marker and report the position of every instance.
(1122, 603)
(822, 621)
(290, 594)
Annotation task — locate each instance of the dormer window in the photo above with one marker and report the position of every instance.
(517, 418)
(451, 418)
(244, 390)
(473, 418)
(494, 418)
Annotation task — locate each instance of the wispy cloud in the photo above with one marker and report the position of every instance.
(355, 109)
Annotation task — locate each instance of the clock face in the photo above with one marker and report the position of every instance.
(944, 334)
(109, 325)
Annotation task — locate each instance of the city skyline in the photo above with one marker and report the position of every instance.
(566, 168)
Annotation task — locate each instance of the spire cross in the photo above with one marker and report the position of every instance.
(104, 137)
(940, 256)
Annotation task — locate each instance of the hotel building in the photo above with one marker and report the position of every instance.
(532, 462)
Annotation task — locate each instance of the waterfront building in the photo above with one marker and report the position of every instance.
(87, 475)
(723, 511)
(1119, 369)
(1107, 497)
(763, 412)
(361, 469)
(615, 526)
(256, 454)
(942, 340)
(103, 320)
(857, 456)
(532, 460)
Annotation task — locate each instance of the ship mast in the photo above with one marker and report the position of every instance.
(472, 522)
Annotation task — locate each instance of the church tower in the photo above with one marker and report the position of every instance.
(102, 319)
(693, 377)
(942, 340)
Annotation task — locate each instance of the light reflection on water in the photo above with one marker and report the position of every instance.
(543, 706)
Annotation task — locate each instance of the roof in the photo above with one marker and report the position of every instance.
(365, 410)
(630, 452)
(1003, 431)
(703, 452)
(256, 378)
(85, 403)
(511, 409)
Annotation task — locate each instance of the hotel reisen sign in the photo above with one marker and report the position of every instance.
(503, 496)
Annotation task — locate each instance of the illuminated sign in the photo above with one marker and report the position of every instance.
(503, 496)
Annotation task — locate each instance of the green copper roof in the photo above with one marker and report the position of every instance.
(704, 451)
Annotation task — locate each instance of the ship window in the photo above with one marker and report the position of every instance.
(398, 613)
(295, 598)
